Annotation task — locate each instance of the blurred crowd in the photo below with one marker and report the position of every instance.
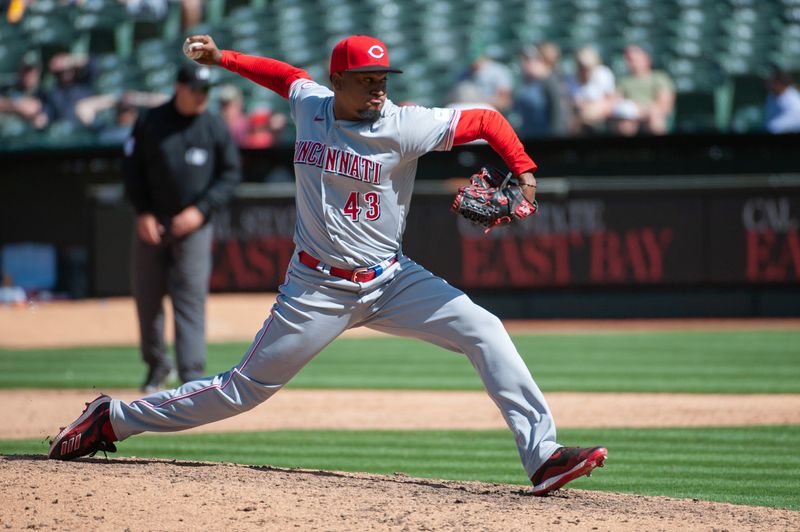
(543, 100)
(71, 103)
(542, 93)
(59, 92)
(191, 10)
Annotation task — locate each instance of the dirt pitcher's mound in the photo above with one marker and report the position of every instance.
(137, 494)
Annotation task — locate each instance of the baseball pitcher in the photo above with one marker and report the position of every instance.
(355, 161)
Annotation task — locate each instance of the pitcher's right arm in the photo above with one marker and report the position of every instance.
(270, 73)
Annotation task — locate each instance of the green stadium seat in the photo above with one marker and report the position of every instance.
(749, 97)
(748, 89)
(154, 53)
(98, 27)
(15, 130)
(748, 119)
(161, 79)
(10, 55)
(10, 32)
(66, 134)
(116, 74)
(50, 29)
(94, 15)
(247, 22)
(694, 112)
(137, 30)
(214, 11)
(787, 50)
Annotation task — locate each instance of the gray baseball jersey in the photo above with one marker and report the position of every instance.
(354, 184)
(354, 179)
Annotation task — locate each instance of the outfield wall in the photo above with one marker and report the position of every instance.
(615, 244)
(601, 247)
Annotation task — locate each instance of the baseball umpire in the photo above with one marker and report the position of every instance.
(355, 161)
(180, 165)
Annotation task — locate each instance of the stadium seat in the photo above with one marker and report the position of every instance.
(16, 132)
(214, 11)
(155, 53)
(94, 15)
(48, 29)
(116, 74)
(787, 49)
(749, 97)
(64, 133)
(10, 54)
(694, 112)
(161, 79)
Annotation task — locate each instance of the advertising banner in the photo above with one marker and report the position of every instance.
(606, 240)
(755, 239)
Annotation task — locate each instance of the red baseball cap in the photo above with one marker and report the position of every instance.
(361, 53)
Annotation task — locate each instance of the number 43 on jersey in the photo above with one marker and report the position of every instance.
(371, 206)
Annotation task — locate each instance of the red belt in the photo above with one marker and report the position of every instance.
(359, 275)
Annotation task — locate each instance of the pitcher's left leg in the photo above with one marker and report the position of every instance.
(421, 305)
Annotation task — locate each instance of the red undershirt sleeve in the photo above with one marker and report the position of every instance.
(492, 127)
(270, 73)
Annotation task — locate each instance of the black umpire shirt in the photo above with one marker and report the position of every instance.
(173, 161)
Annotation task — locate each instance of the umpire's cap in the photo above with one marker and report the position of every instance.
(361, 53)
(194, 75)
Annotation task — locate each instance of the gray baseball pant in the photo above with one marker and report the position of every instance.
(181, 269)
(312, 309)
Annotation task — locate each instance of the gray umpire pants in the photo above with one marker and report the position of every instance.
(181, 269)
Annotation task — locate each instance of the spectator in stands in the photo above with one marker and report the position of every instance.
(125, 114)
(592, 92)
(260, 129)
(782, 110)
(264, 129)
(73, 83)
(89, 110)
(231, 108)
(541, 103)
(191, 13)
(14, 10)
(147, 9)
(486, 83)
(652, 91)
(24, 99)
(126, 111)
(625, 119)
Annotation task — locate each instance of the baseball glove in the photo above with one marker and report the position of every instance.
(492, 198)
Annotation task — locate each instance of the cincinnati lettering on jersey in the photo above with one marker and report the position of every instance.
(337, 161)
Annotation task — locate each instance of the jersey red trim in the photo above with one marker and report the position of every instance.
(491, 126)
(270, 73)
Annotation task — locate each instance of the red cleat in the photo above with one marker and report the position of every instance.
(87, 435)
(566, 464)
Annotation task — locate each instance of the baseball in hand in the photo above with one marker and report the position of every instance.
(192, 50)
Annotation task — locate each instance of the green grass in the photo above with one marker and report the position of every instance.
(703, 362)
(742, 465)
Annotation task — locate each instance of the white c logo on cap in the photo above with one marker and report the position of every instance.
(376, 51)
